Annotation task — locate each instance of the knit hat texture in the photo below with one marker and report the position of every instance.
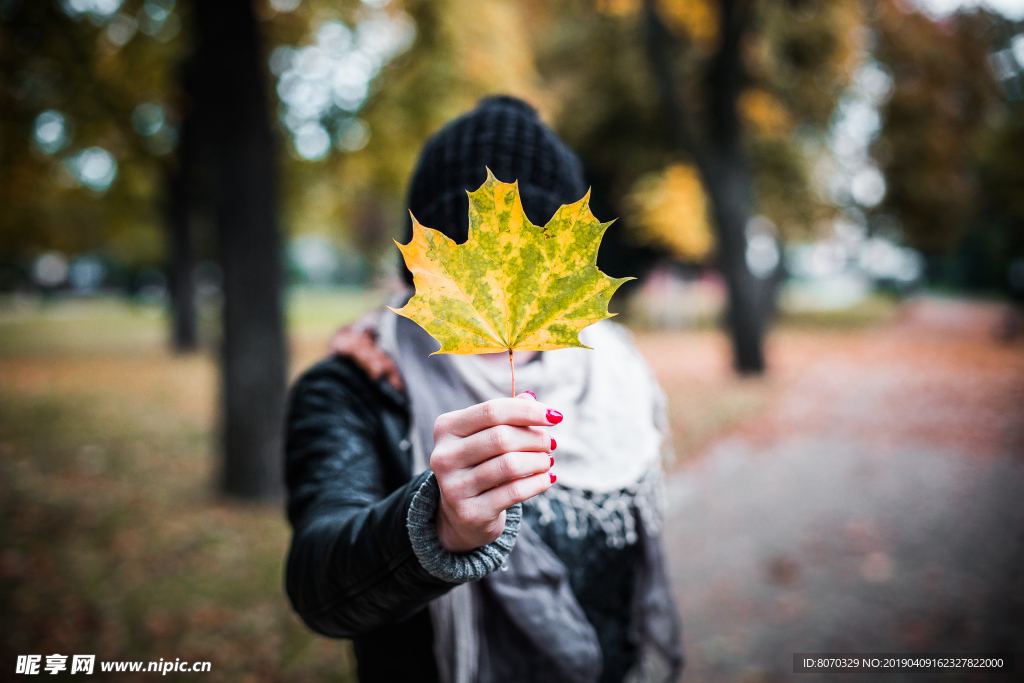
(503, 134)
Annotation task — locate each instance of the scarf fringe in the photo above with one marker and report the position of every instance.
(613, 512)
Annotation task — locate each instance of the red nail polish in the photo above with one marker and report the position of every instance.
(554, 417)
(552, 461)
(553, 477)
(531, 394)
(554, 444)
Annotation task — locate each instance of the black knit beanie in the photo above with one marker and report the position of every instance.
(503, 134)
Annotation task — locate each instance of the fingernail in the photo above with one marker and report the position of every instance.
(554, 417)
(553, 477)
(552, 461)
(554, 444)
(531, 394)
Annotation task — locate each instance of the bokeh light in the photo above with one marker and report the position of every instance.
(158, 10)
(315, 258)
(322, 85)
(99, 11)
(50, 270)
(86, 273)
(50, 131)
(883, 260)
(121, 29)
(1017, 47)
(854, 180)
(867, 187)
(157, 19)
(285, 5)
(763, 255)
(1011, 9)
(94, 167)
(148, 118)
(312, 141)
(352, 135)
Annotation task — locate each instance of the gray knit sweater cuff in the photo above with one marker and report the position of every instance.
(455, 567)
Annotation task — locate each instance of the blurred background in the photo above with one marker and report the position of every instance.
(822, 200)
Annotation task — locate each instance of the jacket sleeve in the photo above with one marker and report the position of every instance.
(351, 567)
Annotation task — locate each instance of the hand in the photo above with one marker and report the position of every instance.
(358, 342)
(486, 459)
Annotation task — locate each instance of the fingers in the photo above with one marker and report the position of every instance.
(516, 491)
(453, 454)
(486, 459)
(467, 523)
(497, 471)
(344, 340)
(373, 362)
(377, 364)
(393, 376)
(360, 346)
(499, 411)
(482, 446)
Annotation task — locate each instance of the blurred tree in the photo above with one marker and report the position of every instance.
(720, 156)
(182, 203)
(438, 58)
(671, 208)
(1001, 176)
(943, 91)
(85, 133)
(754, 47)
(189, 193)
(733, 87)
(231, 115)
(108, 92)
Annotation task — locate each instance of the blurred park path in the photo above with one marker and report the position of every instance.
(872, 504)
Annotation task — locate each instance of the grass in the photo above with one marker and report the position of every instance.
(877, 307)
(113, 545)
(113, 541)
(115, 325)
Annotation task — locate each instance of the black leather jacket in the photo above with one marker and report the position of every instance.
(351, 569)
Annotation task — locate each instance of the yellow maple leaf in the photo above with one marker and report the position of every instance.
(513, 285)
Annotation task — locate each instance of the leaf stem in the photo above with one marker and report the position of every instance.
(513, 366)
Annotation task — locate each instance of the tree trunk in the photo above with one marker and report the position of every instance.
(234, 101)
(184, 338)
(728, 181)
(723, 167)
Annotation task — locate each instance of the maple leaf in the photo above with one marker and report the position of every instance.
(512, 286)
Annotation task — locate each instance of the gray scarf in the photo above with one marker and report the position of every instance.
(485, 631)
